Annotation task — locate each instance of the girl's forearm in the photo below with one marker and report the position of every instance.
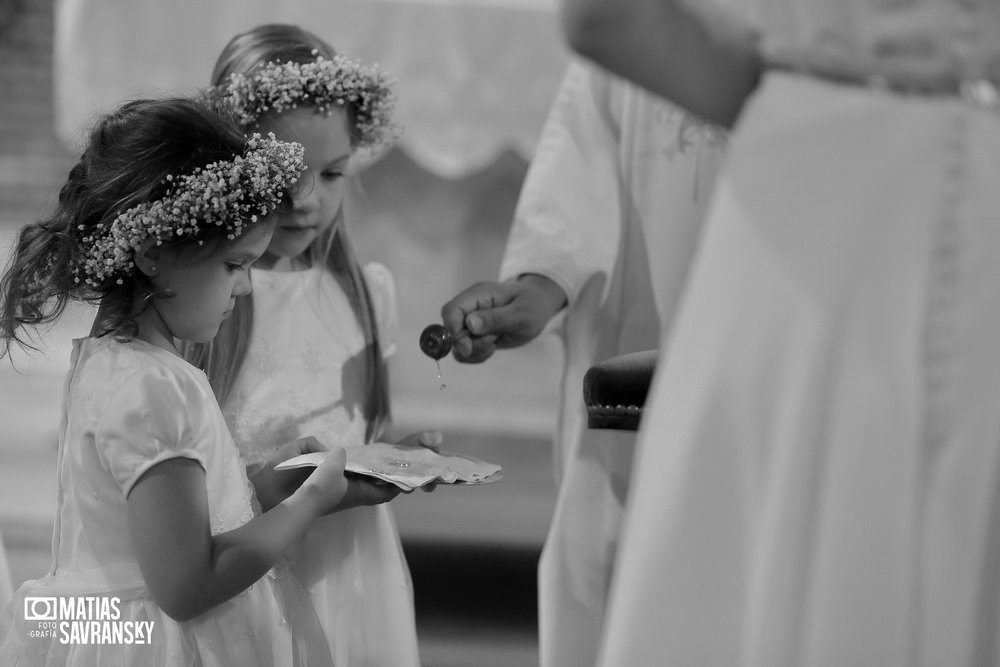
(709, 67)
(238, 558)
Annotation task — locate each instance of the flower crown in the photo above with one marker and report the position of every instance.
(226, 193)
(324, 83)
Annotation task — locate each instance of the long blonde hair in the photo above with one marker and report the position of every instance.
(222, 358)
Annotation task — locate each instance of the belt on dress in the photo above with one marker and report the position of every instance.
(979, 92)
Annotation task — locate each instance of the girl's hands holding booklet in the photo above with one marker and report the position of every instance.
(406, 467)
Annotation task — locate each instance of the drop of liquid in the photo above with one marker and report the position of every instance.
(443, 385)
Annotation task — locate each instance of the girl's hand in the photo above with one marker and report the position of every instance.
(337, 493)
(326, 483)
(429, 439)
(366, 491)
(272, 486)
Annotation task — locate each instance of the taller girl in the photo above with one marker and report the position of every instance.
(305, 355)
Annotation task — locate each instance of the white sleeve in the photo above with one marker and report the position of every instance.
(154, 416)
(382, 289)
(567, 221)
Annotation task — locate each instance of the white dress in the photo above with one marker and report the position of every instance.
(618, 174)
(127, 407)
(819, 480)
(304, 375)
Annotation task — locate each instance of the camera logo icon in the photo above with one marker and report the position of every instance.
(40, 609)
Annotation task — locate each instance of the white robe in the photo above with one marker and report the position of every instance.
(619, 176)
(816, 483)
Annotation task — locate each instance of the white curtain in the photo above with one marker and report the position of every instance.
(475, 77)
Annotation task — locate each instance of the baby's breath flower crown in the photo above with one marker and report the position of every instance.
(228, 194)
(325, 84)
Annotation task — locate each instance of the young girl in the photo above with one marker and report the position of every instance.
(305, 355)
(158, 558)
(818, 476)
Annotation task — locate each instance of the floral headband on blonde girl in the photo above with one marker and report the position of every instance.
(226, 193)
(325, 84)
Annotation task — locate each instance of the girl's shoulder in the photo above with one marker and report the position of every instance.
(382, 288)
(379, 278)
(141, 405)
(135, 367)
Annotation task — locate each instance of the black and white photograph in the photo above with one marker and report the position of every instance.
(500, 333)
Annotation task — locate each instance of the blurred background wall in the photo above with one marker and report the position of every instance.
(475, 80)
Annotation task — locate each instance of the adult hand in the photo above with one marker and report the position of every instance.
(496, 315)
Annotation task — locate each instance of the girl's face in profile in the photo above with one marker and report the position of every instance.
(203, 288)
(319, 193)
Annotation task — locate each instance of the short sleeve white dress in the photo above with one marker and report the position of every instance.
(304, 374)
(127, 407)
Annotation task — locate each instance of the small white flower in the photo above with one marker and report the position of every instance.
(255, 181)
(324, 84)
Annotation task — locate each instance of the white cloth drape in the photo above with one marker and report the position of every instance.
(475, 78)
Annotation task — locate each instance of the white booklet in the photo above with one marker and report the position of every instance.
(408, 468)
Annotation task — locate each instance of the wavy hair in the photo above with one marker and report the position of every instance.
(129, 154)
